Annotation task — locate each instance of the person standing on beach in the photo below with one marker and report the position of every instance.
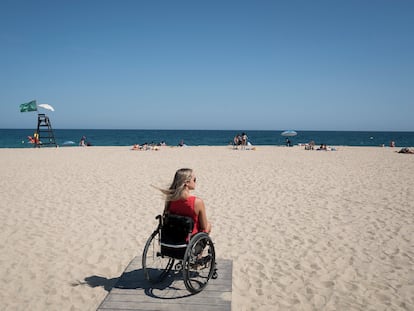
(179, 201)
(82, 141)
(236, 141)
(244, 140)
(36, 139)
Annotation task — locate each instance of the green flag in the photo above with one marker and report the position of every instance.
(30, 106)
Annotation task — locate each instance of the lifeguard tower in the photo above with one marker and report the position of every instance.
(44, 131)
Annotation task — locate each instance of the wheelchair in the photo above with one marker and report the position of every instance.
(171, 242)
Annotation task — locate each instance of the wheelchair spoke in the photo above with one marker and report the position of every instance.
(199, 263)
(156, 266)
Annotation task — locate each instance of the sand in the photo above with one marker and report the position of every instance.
(306, 230)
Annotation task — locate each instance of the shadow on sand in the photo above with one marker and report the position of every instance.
(170, 288)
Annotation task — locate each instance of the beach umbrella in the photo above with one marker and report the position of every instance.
(68, 142)
(46, 106)
(289, 133)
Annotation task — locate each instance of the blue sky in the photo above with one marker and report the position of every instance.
(266, 65)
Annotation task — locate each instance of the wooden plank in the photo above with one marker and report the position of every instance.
(133, 292)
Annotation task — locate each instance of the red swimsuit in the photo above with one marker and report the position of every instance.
(185, 208)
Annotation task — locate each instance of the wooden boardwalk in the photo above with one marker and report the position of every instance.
(133, 292)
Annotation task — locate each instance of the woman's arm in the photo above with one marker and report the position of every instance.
(200, 210)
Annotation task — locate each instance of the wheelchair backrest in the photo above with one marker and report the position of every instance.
(176, 229)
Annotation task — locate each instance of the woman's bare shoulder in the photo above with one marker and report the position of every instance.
(199, 201)
(198, 204)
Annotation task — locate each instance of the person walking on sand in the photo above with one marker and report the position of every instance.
(179, 201)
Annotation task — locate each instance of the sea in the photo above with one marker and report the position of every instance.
(18, 138)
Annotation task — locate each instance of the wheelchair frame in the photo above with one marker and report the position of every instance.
(196, 259)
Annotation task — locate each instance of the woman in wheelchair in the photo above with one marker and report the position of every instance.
(179, 201)
(183, 235)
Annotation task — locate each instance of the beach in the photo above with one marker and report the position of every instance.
(306, 230)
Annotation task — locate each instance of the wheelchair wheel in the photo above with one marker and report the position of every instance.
(199, 263)
(156, 266)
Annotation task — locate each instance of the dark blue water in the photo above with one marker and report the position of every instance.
(17, 138)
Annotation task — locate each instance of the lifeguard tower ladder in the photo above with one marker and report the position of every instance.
(45, 132)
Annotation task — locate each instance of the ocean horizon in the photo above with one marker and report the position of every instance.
(18, 138)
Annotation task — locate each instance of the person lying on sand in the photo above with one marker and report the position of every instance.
(406, 150)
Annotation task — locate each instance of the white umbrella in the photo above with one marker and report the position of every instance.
(289, 133)
(46, 106)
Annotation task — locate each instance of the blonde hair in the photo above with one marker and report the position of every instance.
(175, 191)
